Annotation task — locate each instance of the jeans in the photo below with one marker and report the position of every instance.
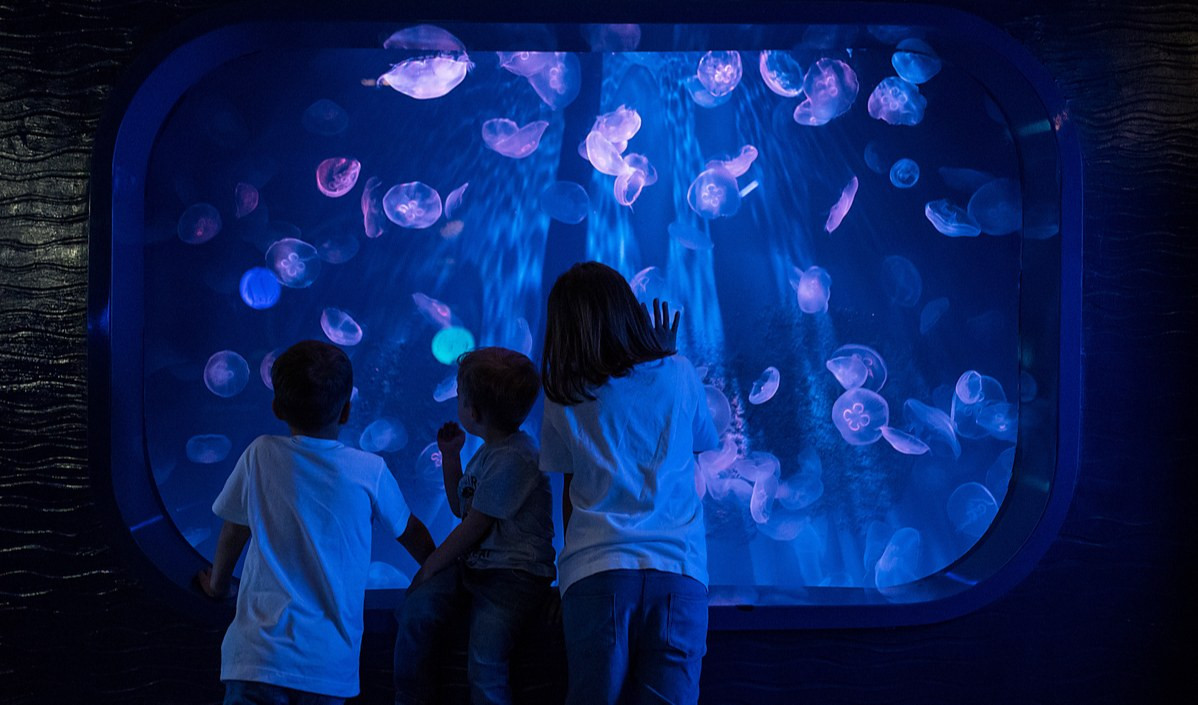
(635, 636)
(255, 693)
(500, 604)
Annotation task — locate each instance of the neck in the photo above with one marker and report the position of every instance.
(329, 432)
(494, 435)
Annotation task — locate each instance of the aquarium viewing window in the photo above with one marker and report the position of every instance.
(868, 220)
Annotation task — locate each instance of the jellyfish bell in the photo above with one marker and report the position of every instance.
(603, 155)
(831, 87)
(689, 236)
(340, 327)
(904, 173)
(373, 219)
(325, 118)
(781, 72)
(509, 139)
(428, 77)
(931, 314)
(701, 96)
(714, 193)
(618, 126)
(901, 280)
(259, 288)
(761, 501)
(199, 224)
(337, 176)
(245, 199)
(932, 426)
(208, 448)
(915, 61)
(558, 83)
(738, 165)
(526, 63)
(718, 406)
(424, 36)
(565, 201)
(226, 373)
(765, 387)
(413, 205)
(971, 395)
(859, 414)
(447, 388)
(904, 442)
(871, 361)
(649, 284)
(999, 419)
(813, 288)
(720, 72)
(264, 368)
(385, 435)
(971, 509)
(296, 264)
(997, 207)
(436, 312)
(454, 200)
(899, 562)
(757, 465)
(897, 102)
(950, 219)
(841, 208)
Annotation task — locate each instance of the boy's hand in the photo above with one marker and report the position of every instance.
(666, 332)
(450, 439)
(204, 580)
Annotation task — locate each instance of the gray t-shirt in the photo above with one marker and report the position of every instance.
(503, 480)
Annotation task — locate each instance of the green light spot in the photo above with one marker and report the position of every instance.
(450, 343)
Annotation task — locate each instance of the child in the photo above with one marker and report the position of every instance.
(305, 504)
(501, 556)
(623, 416)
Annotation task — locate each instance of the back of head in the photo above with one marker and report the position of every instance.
(595, 329)
(500, 384)
(313, 381)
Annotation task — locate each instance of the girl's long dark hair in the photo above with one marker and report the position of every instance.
(595, 330)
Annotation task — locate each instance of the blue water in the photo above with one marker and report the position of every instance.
(855, 479)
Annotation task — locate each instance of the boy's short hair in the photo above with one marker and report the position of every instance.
(501, 384)
(313, 381)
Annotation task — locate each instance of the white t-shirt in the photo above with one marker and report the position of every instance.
(309, 503)
(631, 451)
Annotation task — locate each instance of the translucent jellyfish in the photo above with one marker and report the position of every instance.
(934, 427)
(761, 502)
(901, 280)
(972, 393)
(781, 72)
(739, 164)
(412, 205)
(848, 371)
(720, 72)
(199, 224)
(424, 36)
(931, 314)
(325, 118)
(384, 576)
(649, 284)
(637, 174)
(689, 236)
(899, 563)
(559, 81)
(721, 410)
(435, 311)
(757, 465)
(765, 387)
(428, 77)
(337, 176)
(373, 219)
(964, 180)
(259, 288)
(897, 102)
(295, 263)
(804, 487)
(511, 140)
(336, 244)
(423, 487)
(971, 509)
(904, 173)
(950, 219)
(859, 415)
(711, 464)
(1027, 387)
(813, 287)
(449, 344)
(226, 373)
(526, 63)
(208, 448)
(383, 436)
(841, 208)
(997, 207)
(454, 200)
(703, 97)
(874, 159)
(447, 388)
(618, 126)
(998, 475)
(904, 442)
(831, 87)
(915, 61)
(265, 366)
(245, 198)
(566, 201)
(340, 327)
(452, 228)
(1000, 419)
(714, 193)
(612, 37)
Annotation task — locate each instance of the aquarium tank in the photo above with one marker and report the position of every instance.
(842, 214)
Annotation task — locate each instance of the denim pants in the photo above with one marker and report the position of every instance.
(255, 693)
(635, 636)
(500, 604)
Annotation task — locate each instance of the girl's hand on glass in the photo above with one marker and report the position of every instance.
(665, 330)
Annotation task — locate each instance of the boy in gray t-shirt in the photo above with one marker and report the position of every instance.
(500, 559)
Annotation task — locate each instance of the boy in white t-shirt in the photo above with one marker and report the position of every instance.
(305, 505)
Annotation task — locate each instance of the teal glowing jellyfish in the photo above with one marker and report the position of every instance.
(449, 344)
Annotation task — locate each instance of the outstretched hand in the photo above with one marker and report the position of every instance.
(665, 330)
(450, 439)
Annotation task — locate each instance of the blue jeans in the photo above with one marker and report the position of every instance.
(500, 604)
(255, 693)
(635, 636)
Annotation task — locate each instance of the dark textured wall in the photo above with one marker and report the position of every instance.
(1101, 619)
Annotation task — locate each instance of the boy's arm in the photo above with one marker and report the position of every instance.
(416, 540)
(450, 439)
(215, 580)
(463, 538)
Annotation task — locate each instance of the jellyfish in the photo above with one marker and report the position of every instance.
(849, 370)
(428, 77)
(714, 193)
(859, 415)
(902, 280)
(412, 205)
(841, 208)
(603, 155)
(336, 244)
(424, 36)
(245, 197)
(874, 159)
(972, 393)
(950, 219)
(932, 426)
(900, 559)
(871, 361)
(526, 63)
(703, 97)
(199, 224)
(637, 173)
(971, 509)
(435, 311)
(612, 37)
(384, 576)
(208, 448)
(423, 487)
(296, 264)
(689, 236)
(557, 84)
(997, 207)
(781, 72)
(738, 165)
(904, 173)
(226, 373)
(897, 102)
(340, 327)
(904, 442)
(325, 118)
(831, 87)
(1000, 419)
(813, 287)
(618, 126)
(566, 201)
(264, 368)
(931, 313)
(803, 488)
(720, 72)
(915, 61)
(964, 180)
(337, 176)
(449, 344)
(454, 200)
(447, 388)
(761, 502)
(383, 436)
(373, 219)
(765, 387)
(510, 140)
(718, 406)
(259, 288)
(998, 475)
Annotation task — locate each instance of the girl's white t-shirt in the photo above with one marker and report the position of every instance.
(631, 453)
